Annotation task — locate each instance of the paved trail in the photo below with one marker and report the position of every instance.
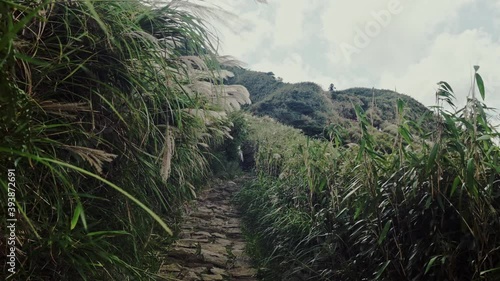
(211, 244)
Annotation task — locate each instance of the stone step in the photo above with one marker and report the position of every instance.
(210, 244)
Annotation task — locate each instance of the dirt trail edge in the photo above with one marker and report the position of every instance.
(210, 245)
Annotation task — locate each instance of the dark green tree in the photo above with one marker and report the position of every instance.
(331, 88)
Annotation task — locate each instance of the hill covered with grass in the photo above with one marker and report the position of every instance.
(427, 209)
(308, 107)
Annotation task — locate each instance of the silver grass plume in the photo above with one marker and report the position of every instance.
(95, 157)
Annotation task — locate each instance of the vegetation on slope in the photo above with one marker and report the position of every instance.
(299, 105)
(308, 107)
(427, 210)
(109, 110)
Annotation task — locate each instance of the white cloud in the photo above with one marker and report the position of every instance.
(389, 32)
(249, 33)
(427, 41)
(288, 26)
(279, 24)
(451, 58)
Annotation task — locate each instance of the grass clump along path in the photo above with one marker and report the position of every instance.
(109, 110)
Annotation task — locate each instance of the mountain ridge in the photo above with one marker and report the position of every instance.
(307, 106)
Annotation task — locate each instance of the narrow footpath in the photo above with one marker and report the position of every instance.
(210, 245)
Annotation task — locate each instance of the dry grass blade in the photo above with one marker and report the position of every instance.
(168, 153)
(203, 87)
(235, 96)
(230, 61)
(95, 157)
(207, 116)
(62, 108)
(194, 62)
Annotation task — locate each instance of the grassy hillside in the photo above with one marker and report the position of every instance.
(426, 210)
(308, 107)
(301, 105)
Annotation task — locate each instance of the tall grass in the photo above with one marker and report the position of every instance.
(102, 120)
(428, 210)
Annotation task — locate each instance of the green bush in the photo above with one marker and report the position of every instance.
(105, 118)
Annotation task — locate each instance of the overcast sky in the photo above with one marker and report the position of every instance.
(390, 44)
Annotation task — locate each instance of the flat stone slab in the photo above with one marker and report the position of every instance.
(210, 245)
(211, 277)
(243, 272)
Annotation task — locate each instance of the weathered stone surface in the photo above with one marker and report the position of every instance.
(240, 246)
(182, 253)
(191, 276)
(214, 248)
(210, 245)
(215, 259)
(224, 242)
(218, 235)
(195, 240)
(174, 267)
(237, 253)
(202, 234)
(202, 215)
(209, 277)
(243, 272)
(216, 270)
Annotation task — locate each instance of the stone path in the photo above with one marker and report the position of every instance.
(210, 245)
